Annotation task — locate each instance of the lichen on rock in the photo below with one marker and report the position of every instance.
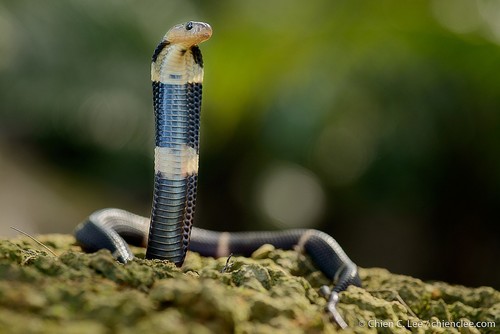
(274, 291)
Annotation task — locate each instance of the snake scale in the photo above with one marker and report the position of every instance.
(177, 76)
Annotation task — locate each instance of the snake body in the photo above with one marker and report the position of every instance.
(177, 75)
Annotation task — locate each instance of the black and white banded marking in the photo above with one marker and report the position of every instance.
(177, 75)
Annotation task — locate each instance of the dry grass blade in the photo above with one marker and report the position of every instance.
(35, 240)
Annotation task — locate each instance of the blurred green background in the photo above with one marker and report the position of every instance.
(377, 122)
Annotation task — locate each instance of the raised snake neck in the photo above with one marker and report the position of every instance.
(177, 76)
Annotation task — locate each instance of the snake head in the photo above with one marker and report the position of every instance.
(189, 33)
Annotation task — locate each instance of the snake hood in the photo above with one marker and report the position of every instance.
(177, 58)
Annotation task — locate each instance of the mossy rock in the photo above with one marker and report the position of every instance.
(275, 291)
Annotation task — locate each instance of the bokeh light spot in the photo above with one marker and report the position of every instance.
(290, 196)
(8, 39)
(459, 16)
(111, 118)
(343, 153)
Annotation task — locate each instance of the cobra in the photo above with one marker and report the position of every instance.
(177, 76)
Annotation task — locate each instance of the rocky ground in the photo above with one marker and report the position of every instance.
(273, 292)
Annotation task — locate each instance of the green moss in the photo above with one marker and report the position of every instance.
(273, 291)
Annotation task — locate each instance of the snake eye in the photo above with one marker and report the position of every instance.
(189, 25)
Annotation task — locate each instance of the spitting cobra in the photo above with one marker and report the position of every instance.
(177, 76)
